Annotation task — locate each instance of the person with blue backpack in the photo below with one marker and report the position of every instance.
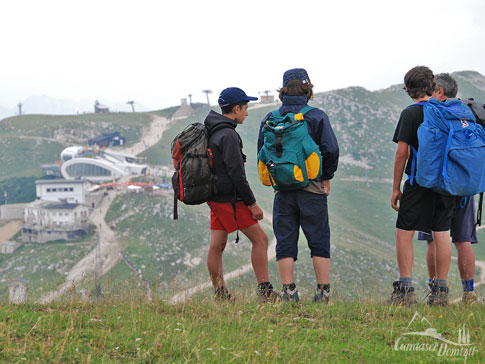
(463, 227)
(419, 208)
(298, 156)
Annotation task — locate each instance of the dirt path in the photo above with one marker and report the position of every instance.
(151, 136)
(184, 295)
(9, 230)
(109, 249)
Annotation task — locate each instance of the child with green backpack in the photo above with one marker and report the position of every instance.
(298, 156)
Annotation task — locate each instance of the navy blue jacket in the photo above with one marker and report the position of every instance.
(319, 128)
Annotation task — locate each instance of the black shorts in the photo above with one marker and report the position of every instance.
(424, 210)
(463, 226)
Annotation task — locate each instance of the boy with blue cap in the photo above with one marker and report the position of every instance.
(233, 206)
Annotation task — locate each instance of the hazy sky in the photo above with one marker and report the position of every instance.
(156, 52)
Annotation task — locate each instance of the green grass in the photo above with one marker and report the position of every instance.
(130, 331)
(42, 265)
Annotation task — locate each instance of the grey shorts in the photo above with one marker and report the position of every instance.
(463, 226)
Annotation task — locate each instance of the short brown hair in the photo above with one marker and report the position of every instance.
(419, 82)
(296, 88)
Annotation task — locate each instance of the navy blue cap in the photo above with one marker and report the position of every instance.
(295, 74)
(233, 96)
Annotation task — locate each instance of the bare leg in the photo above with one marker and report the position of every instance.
(259, 252)
(466, 260)
(431, 259)
(214, 258)
(286, 267)
(322, 269)
(443, 253)
(405, 252)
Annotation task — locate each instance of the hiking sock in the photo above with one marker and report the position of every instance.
(290, 286)
(221, 291)
(265, 287)
(405, 282)
(468, 286)
(323, 287)
(440, 283)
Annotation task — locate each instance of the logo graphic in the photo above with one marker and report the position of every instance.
(408, 341)
(464, 123)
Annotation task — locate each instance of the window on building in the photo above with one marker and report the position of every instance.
(48, 190)
(86, 169)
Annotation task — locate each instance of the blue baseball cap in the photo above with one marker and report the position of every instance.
(233, 96)
(295, 74)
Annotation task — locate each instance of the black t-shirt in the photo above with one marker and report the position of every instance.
(407, 130)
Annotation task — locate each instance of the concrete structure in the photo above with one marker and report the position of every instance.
(100, 108)
(71, 190)
(13, 211)
(267, 99)
(99, 165)
(17, 291)
(9, 247)
(47, 221)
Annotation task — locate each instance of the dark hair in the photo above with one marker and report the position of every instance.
(228, 109)
(296, 88)
(450, 87)
(419, 82)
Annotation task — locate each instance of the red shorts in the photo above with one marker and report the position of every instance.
(222, 216)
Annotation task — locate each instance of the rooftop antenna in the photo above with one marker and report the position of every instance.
(20, 107)
(132, 103)
(190, 99)
(207, 92)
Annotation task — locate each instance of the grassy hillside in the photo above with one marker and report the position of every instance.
(172, 253)
(44, 266)
(30, 140)
(130, 331)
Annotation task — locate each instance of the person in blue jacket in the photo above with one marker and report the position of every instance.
(306, 207)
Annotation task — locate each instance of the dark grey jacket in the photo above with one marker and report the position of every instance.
(226, 146)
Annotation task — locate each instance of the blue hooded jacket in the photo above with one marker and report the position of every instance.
(319, 129)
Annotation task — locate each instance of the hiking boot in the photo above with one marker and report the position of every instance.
(402, 296)
(469, 298)
(321, 295)
(438, 296)
(290, 295)
(269, 296)
(222, 294)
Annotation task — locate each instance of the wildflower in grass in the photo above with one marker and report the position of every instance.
(256, 352)
(138, 339)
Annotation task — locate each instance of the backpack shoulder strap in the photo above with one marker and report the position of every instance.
(421, 103)
(276, 113)
(306, 109)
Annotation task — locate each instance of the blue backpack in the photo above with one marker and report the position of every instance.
(451, 155)
(289, 159)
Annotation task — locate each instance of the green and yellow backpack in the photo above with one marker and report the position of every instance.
(289, 159)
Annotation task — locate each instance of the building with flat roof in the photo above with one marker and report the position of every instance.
(47, 221)
(71, 190)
